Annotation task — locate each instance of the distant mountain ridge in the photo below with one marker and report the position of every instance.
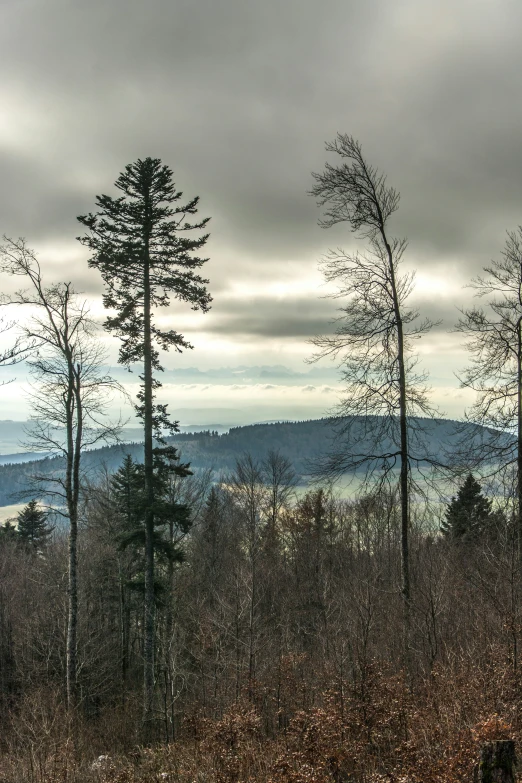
(302, 442)
(13, 435)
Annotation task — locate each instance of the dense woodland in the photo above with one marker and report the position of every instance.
(278, 633)
(164, 623)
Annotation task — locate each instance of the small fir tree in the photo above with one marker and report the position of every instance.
(8, 531)
(130, 501)
(32, 527)
(127, 492)
(469, 513)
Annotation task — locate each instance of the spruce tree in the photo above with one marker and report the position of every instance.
(469, 512)
(130, 501)
(140, 245)
(33, 528)
(127, 492)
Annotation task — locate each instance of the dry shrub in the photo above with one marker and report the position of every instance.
(42, 744)
(347, 736)
(39, 746)
(374, 730)
(235, 745)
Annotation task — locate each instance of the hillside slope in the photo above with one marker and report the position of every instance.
(302, 442)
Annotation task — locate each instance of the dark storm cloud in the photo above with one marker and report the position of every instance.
(220, 90)
(239, 97)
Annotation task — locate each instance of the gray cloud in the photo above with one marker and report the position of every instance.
(264, 376)
(306, 317)
(238, 98)
(301, 317)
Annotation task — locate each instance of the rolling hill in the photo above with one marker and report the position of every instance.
(302, 442)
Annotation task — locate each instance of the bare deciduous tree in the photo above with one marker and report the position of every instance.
(250, 493)
(68, 399)
(495, 372)
(374, 336)
(13, 353)
(280, 479)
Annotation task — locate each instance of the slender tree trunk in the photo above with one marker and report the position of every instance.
(169, 662)
(405, 511)
(252, 620)
(125, 614)
(72, 469)
(251, 633)
(149, 606)
(238, 641)
(74, 444)
(403, 480)
(72, 614)
(169, 619)
(519, 440)
(124, 629)
(7, 657)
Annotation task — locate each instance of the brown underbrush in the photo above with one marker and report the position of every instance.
(373, 729)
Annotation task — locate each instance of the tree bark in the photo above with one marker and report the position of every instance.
(497, 763)
(403, 481)
(72, 482)
(519, 441)
(149, 607)
(72, 614)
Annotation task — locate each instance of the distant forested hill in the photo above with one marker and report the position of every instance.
(302, 442)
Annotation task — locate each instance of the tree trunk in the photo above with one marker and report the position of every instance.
(405, 521)
(497, 763)
(124, 629)
(72, 614)
(251, 633)
(73, 413)
(149, 606)
(403, 481)
(7, 658)
(519, 442)
(169, 661)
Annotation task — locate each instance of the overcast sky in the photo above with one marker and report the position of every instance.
(238, 98)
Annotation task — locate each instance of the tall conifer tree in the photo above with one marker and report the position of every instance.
(140, 245)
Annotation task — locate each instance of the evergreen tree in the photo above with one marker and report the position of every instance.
(140, 246)
(469, 513)
(130, 499)
(33, 528)
(128, 504)
(127, 491)
(8, 531)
